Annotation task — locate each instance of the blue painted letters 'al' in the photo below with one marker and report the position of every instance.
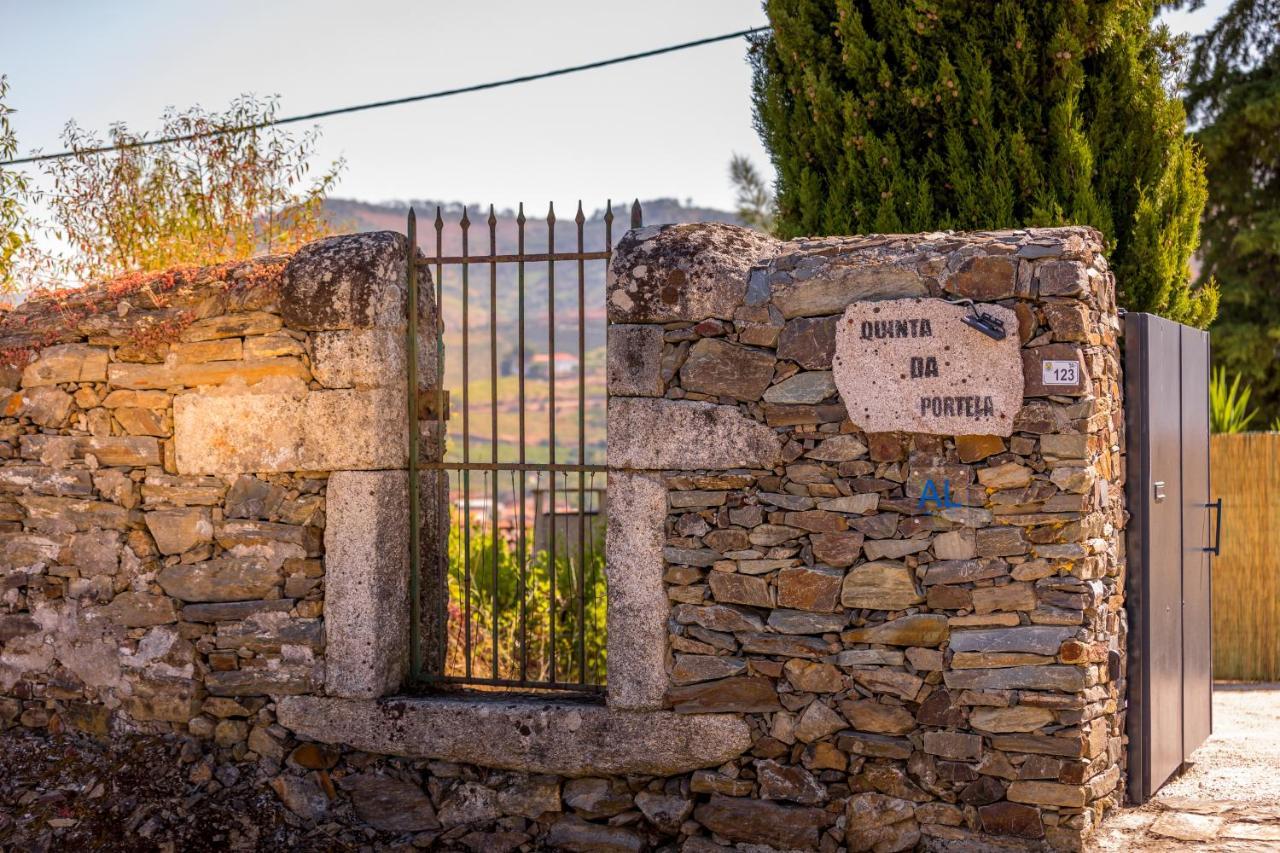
(930, 495)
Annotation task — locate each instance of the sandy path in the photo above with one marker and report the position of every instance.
(1229, 799)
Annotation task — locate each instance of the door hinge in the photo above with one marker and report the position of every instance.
(430, 403)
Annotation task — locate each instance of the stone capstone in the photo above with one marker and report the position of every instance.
(674, 273)
(351, 281)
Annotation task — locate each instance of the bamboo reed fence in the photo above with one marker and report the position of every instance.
(1246, 577)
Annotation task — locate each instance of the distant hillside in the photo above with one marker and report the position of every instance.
(490, 354)
(354, 215)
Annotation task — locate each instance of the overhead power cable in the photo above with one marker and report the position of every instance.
(375, 105)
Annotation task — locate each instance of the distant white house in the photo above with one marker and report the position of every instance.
(540, 366)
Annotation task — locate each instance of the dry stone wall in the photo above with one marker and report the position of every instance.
(802, 656)
(913, 673)
(167, 447)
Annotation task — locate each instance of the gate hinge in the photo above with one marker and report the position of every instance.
(430, 400)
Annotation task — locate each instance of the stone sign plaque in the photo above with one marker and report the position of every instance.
(914, 365)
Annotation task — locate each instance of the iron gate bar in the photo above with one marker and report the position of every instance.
(415, 520)
(465, 225)
(493, 411)
(558, 676)
(551, 442)
(442, 636)
(582, 456)
(521, 257)
(522, 684)
(524, 591)
(566, 468)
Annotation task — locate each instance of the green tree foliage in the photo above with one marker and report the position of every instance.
(755, 202)
(886, 116)
(14, 232)
(231, 187)
(212, 197)
(1234, 95)
(495, 611)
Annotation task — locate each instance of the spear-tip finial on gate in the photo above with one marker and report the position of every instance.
(411, 228)
(579, 218)
(637, 215)
(520, 220)
(465, 222)
(493, 220)
(551, 213)
(608, 211)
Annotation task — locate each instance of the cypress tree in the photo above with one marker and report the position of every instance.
(885, 116)
(1235, 97)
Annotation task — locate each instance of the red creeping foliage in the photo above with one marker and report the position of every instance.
(53, 316)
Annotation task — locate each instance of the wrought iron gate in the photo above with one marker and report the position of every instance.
(1170, 543)
(525, 502)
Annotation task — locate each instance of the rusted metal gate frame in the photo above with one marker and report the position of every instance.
(416, 408)
(1169, 587)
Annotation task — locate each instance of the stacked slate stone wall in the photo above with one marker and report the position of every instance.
(167, 447)
(202, 516)
(912, 674)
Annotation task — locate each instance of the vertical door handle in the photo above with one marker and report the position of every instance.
(1158, 490)
(1216, 548)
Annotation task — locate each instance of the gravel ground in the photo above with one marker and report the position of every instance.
(70, 792)
(1229, 799)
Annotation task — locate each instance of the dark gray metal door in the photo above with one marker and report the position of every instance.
(1197, 597)
(1169, 666)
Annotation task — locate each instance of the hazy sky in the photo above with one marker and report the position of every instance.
(657, 127)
